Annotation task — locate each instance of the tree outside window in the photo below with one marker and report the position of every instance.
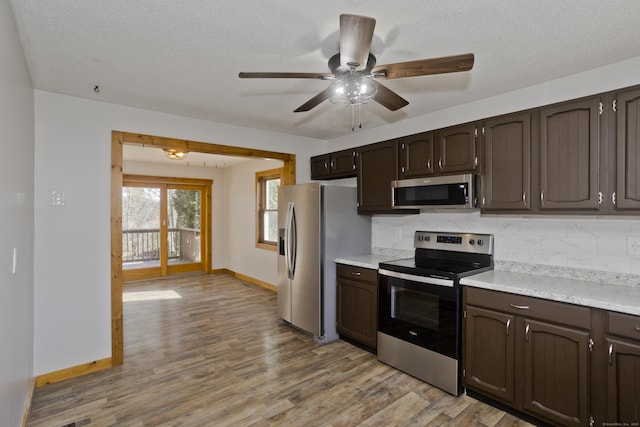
(267, 184)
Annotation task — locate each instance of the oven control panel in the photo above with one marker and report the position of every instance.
(460, 242)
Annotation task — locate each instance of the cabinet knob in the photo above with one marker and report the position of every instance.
(440, 163)
(524, 198)
(355, 273)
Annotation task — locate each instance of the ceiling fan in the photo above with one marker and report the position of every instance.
(355, 73)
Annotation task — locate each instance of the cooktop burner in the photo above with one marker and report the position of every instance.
(448, 255)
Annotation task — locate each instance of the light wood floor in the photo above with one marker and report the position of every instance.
(210, 351)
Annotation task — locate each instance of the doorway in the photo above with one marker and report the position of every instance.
(165, 226)
(119, 138)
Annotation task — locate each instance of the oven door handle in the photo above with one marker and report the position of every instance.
(421, 279)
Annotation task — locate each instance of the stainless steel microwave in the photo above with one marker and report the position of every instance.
(440, 192)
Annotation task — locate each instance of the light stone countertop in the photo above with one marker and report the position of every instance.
(621, 295)
(609, 291)
(367, 261)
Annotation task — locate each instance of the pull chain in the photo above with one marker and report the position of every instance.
(353, 117)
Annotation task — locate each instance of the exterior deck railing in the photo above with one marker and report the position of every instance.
(141, 245)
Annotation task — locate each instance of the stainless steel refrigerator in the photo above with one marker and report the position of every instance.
(317, 223)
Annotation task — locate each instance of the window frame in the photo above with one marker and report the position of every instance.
(261, 180)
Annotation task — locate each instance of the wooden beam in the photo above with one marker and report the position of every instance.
(201, 147)
(117, 333)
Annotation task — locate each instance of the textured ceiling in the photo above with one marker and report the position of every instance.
(183, 57)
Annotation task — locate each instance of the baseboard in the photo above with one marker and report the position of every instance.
(257, 282)
(222, 271)
(27, 407)
(74, 371)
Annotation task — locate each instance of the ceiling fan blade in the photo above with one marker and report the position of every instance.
(423, 67)
(268, 75)
(325, 94)
(389, 98)
(356, 33)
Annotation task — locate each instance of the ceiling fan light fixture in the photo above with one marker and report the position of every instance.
(353, 89)
(175, 154)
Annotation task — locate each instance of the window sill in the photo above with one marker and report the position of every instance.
(267, 246)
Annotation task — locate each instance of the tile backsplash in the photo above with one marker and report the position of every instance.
(592, 243)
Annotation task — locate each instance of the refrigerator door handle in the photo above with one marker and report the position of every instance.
(294, 241)
(287, 240)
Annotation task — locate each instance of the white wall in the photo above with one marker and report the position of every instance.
(16, 223)
(577, 242)
(72, 243)
(244, 257)
(218, 198)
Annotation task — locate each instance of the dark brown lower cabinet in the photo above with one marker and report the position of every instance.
(529, 354)
(623, 369)
(556, 373)
(357, 309)
(490, 345)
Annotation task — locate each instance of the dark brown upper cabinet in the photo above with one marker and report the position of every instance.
(506, 183)
(416, 155)
(627, 188)
(339, 164)
(456, 149)
(377, 166)
(569, 156)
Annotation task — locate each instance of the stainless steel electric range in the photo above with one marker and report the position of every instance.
(420, 305)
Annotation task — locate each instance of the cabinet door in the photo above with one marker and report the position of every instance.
(623, 382)
(569, 147)
(506, 184)
(358, 311)
(628, 150)
(556, 373)
(489, 353)
(416, 155)
(320, 166)
(457, 149)
(343, 164)
(377, 167)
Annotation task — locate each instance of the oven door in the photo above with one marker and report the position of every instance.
(421, 310)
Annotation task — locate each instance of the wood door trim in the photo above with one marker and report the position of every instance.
(119, 138)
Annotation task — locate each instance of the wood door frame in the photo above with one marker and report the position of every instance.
(119, 138)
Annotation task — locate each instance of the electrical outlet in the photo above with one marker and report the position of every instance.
(634, 246)
(57, 199)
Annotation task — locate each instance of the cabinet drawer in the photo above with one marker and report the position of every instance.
(624, 325)
(530, 307)
(357, 273)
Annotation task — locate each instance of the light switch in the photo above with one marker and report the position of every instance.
(57, 199)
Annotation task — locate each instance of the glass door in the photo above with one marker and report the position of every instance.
(164, 226)
(141, 238)
(184, 248)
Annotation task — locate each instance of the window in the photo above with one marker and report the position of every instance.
(267, 184)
